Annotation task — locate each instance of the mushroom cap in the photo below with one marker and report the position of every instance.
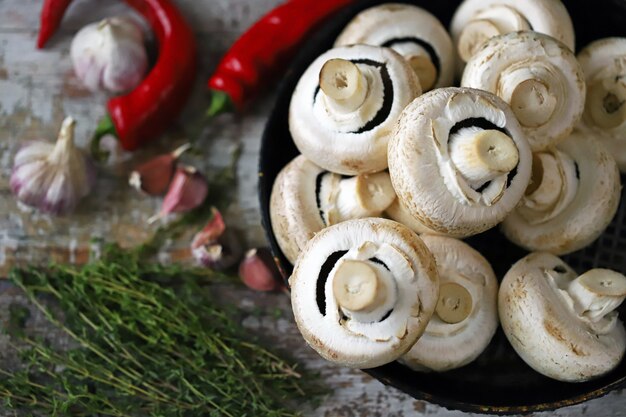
(294, 209)
(544, 16)
(539, 322)
(397, 212)
(604, 62)
(505, 62)
(426, 181)
(407, 29)
(306, 198)
(590, 211)
(354, 142)
(393, 250)
(446, 346)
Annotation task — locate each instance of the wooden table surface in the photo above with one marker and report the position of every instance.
(38, 88)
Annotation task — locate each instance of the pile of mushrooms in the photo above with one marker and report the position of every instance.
(389, 179)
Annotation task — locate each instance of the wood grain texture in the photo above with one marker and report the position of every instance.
(37, 89)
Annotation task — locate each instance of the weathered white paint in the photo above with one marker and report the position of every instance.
(37, 89)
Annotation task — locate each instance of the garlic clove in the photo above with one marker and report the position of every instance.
(110, 55)
(212, 231)
(259, 272)
(216, 247)
(154, 176)
(52, 177)
(187, 191)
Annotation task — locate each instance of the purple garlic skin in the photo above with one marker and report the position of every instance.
(215, 246)
(259, 272)
(53, 177)
(110, 55)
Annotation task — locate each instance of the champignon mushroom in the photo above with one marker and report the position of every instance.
(305, 198)
(466, 316)
(563, 325)
(346, 104)
(477, 21)
(397, 212)
(458, 160)
(538, 77)
(604, 65)
(362, 291)
(411, 31)
(572, 197)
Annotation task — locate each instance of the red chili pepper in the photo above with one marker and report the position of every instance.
(51, 15)
(149, 109)
(256, 54)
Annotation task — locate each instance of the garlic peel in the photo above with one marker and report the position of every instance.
(52, 177)
(187, 191)
(110, 55)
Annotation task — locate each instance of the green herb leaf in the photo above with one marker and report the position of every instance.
(144, 348)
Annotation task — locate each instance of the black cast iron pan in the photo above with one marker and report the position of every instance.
(498, 381)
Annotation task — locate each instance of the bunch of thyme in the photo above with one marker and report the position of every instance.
(143, 348)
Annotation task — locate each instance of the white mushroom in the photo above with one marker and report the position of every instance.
(397, 212)
(563, 325)
(573, 195)
(306, 198)
(362, 291)
(538, 77)
(477, 21)
(411, 31)
(466, 316)
(458, 160)
(604, 65)
(346, 104)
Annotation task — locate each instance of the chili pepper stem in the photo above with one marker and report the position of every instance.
(105, 127)
(220, 103)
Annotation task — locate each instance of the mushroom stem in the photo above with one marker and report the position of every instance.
(454, 304)
(490, 22)
(598, 292)
(357, 287)
(546, 181)
(425, 70)
(553, 187)
(343, 84)
(481, 155)
(532, 103)
(607, 104)
(363, 196)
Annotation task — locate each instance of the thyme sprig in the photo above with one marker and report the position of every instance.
(143, 348)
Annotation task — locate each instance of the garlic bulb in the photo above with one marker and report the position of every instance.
(110, 55)
(52, 177)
